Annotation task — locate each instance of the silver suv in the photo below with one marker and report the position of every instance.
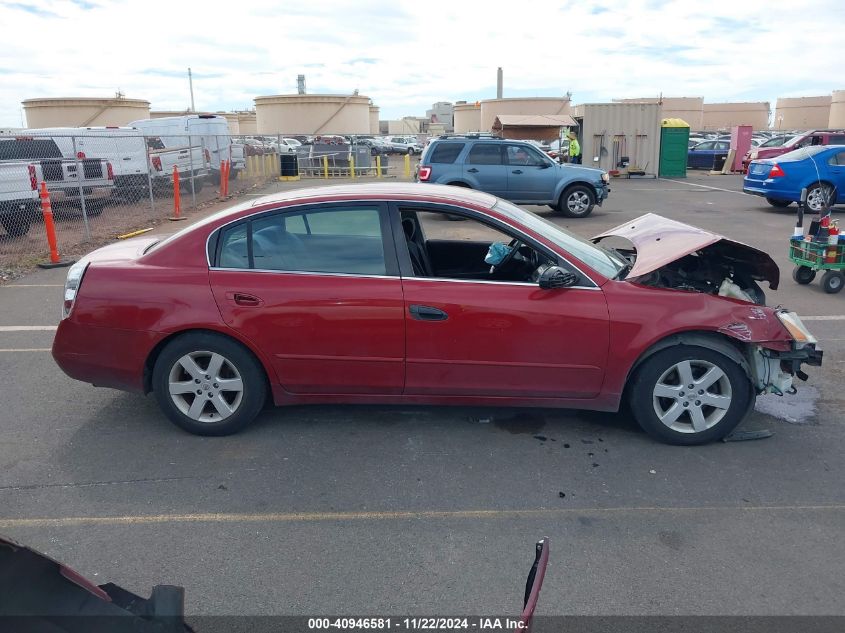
(514, 170)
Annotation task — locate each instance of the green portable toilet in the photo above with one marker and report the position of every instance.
(674, 145)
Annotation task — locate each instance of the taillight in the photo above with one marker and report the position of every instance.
(33, 179)
(109, 171)
(776, 172)
(156, 161)
(425, 174)
(80, 155)
(72, 283)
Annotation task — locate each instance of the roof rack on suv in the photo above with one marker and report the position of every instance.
(470, 135)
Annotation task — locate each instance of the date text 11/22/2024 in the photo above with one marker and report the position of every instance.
(418, 624)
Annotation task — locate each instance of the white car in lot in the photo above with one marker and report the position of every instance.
(404, 145)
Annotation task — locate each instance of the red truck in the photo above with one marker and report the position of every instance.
(805, 139)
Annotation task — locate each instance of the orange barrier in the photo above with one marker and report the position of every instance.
(50, 226)
(177, 199)
(225, 166)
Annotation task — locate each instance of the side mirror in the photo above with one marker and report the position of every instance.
(544, 165)
(556, 277)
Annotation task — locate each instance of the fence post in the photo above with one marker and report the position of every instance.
(351, 166)
(378, 165)
(407, 165)
(193, 174)
(149, 175)
(177, 202)
(81, 192)
(47, 211)
(325, 166)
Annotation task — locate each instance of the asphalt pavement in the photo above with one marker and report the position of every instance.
(412, 510)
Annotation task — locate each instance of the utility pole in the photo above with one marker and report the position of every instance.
(191, 84)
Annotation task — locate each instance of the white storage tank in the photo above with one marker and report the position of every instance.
(467, 117)
(491, 108)
(84, 111)
(313, 114)
(837, 109)
(374, 112)
(802, 113)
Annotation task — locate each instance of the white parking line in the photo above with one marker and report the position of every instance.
(33, 286)
(692, 184)
(26, 349)
(833, 317)
(28, 328)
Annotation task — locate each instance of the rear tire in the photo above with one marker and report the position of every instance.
(667, 409)
(803, 275)
(780, 204)
(832, 281)
(577, 201)
(15, 225)
(202, 403)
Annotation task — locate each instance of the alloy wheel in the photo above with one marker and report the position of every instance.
(205, 386)
(692, 396)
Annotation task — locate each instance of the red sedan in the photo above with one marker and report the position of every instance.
(368, 294)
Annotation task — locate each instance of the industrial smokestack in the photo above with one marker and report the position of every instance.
(300, 84)
(499, 83)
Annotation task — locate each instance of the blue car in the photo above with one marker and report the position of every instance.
(819, 168)
(513, 170)
(704, 155)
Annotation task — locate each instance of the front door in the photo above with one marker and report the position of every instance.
(473, 332)
(317, 290)
(531, 178)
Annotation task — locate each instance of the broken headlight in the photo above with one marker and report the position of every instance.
(796, 328)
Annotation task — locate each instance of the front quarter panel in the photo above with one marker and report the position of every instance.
(641, 317)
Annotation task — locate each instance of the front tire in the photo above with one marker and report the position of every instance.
(780, 204)
(688, 395)
(207, 384)
(577, 202)
(15, 225)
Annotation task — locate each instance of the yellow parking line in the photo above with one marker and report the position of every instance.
(313, 517)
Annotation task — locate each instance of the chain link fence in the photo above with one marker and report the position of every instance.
(107, 183)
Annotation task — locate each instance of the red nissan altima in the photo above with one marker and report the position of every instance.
(368, 294)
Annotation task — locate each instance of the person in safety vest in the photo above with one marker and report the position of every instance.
(574, 149)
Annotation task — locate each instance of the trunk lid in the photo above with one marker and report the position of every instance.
(659, 241)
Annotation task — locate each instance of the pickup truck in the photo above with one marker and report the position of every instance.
(26, 162)
(404, 145)
(191, 162)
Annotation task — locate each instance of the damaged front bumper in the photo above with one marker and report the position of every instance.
(774, 370)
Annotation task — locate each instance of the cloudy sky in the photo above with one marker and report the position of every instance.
(407, 54)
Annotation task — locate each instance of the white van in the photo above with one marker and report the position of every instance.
(123, 147)
(209, 131)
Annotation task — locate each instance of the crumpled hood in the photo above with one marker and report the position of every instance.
(660, 241)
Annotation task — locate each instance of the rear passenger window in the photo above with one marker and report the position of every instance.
(446, 152)
(326, 240)
(485, 154)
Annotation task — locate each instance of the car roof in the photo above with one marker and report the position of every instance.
(400, 190)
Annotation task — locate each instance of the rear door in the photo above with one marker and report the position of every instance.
(836, 164)
(485, 169)
(531, 178)
(317, 290)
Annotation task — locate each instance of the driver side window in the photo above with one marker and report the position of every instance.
(445, 246)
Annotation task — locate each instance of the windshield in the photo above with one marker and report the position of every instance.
(596, 257)
(776, 142)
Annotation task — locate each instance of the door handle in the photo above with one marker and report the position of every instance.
(247, 300)
(516, 171)
(472, 170)
(427, 313)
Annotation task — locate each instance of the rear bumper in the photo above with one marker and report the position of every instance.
(104, 357)
(766, 189)
(72, 194)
